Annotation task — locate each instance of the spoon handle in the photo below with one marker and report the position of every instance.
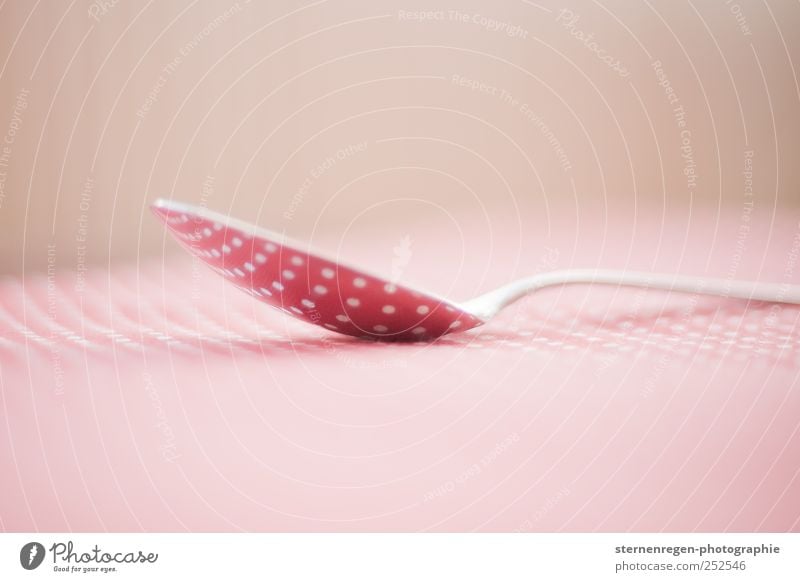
(489, 304)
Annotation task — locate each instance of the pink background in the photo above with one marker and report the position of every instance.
(263, 93)
(138, 391)
(162, 398)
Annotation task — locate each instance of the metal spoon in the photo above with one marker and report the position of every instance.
(348, 300)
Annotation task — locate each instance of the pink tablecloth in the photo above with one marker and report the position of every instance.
(158, 398)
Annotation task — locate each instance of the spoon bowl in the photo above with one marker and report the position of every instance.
(304, 284)
(307, 286)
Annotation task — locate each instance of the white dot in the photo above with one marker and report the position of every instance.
(296, 310)
(390, 288)
(388, 309)
(217, 226)
(270, 247)
(320, 289)
(226, 249)
(327, 273)
(342, 318)
(423, 309)
(265, 291)
(308, 303)
(353, 302)
(216, 253)
(277, 286)
(287, 274)
(207, 231)
(380, 328)
(297, 261)
(239, 272)
(261, 259)
(249, 267)
(330, 326)
(455, 324)
(418, 330)
(236, 241)
(359, 282)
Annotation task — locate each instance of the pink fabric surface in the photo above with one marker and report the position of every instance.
(160, 398)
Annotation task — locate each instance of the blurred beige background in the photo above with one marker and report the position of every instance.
(324, 117)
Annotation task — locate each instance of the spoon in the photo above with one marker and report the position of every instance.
(348, 300)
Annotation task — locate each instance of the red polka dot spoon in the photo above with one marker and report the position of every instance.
(347, 300)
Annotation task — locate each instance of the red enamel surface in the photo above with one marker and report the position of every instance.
(311, 288)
